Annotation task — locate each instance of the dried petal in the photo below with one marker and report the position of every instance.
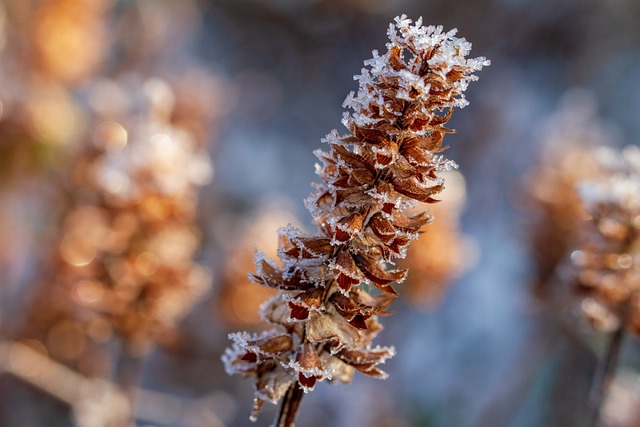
(366, 360)
(383, 228)
(348, 273)
(298, 312)
(264, 345)
(412, 224)
(268, 275)
(331, 327)
(306, 247)
(411, 188)
(303, 303)
(348, 227)
(379, 276)
(378, 303)
(272, 383)
(353, 312)
(309, 367)
(350, 159)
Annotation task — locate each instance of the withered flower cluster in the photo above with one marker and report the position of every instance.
(586, 227)
(333, 284)
(125, 264)
(556, 213)
(607, 256)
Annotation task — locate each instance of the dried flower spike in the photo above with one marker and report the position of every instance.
(125, 260)
(608, 252)
(324, 316)
(551, 199)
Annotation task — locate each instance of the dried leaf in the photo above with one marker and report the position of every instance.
(275, 312)
(388, 208)
(371, 136)
(343, 181)
(307, 383)
(308, 359)
(345, 282)
(303, 303)
(341, 371)
(431, 142)
(440, 120)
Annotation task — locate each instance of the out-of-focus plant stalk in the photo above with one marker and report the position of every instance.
(605, 373)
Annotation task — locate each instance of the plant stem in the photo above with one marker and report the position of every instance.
(604, 374)
(127, 375)
(289, 406)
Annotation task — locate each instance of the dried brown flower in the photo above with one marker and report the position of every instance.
(332, 285)
(607, 254)
(551, 200)
(125, 262)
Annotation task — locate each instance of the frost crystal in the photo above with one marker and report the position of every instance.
(369, 179)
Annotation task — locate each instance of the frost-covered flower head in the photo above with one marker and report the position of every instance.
(607, 260)
(333, 284)
(422, 65)
(555, 211)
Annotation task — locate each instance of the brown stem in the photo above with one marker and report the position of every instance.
(289, 406)
(127, 375)
(604, 374)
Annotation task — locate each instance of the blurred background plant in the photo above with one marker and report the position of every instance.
(259, 83)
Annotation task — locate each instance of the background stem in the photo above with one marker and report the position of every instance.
(127, 375)
(604, 374)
